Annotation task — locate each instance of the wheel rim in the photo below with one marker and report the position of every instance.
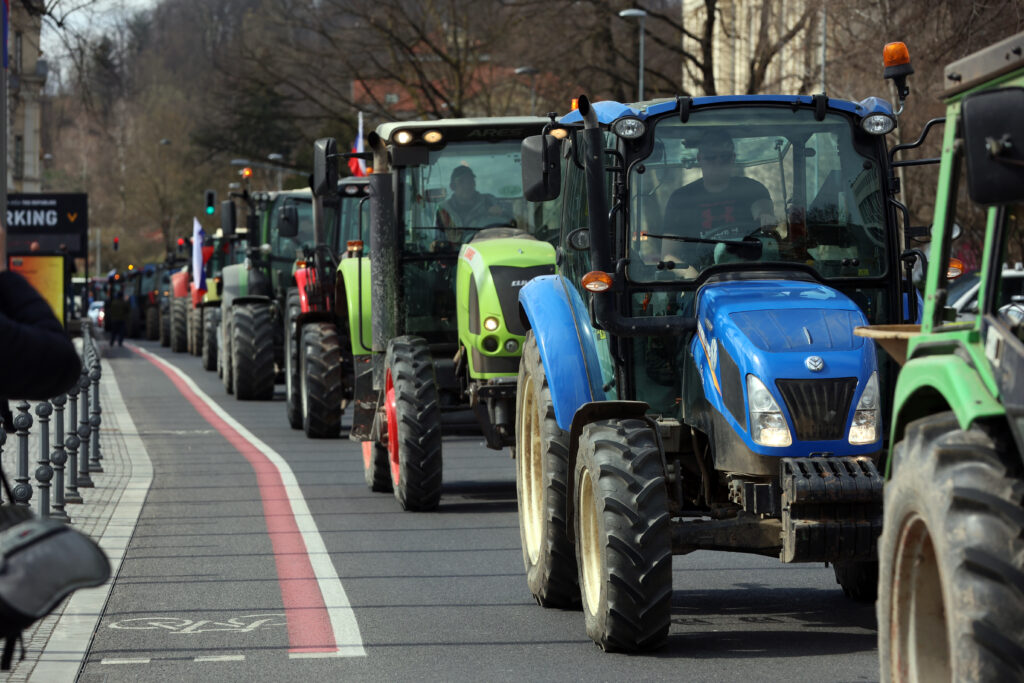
(918, 619)
(530, 472)
(390, 414)
(589, 545)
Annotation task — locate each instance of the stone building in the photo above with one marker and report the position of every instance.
(26, 76)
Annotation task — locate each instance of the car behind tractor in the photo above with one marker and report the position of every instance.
(451, 243)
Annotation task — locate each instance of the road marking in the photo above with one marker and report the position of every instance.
(242, 624)
(320, 618)
(221, 658)
(67, 647)
(138, 660)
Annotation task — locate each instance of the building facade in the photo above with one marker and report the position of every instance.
(26, 77)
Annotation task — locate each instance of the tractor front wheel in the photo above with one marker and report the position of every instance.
(292, 399)
(179, 325)
(542, 484)
(209, 350)
(165, 325)
(152, 323)
(414, 423)
(320, 381)
(952, 557)
(252, 352)
(623, 538)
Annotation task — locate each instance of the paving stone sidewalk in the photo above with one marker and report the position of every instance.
(95, 517)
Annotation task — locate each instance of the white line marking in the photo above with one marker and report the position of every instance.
(339, 610)
(67, 647)
(221, 658)
(138, 660)
(342, 652)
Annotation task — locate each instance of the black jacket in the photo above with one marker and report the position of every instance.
(38, 360)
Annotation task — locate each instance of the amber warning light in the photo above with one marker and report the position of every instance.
(895, 54)
(596, 281)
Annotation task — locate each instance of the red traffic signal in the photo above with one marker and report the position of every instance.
(117, 242)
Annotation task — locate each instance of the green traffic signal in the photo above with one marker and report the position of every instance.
(209, 210)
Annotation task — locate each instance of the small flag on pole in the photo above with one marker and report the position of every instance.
(358, 166)
(198, 272)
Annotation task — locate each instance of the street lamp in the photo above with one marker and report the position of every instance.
(530, 71)
(636, 13)
(277, 158)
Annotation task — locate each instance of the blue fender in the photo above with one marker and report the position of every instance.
(561, 325)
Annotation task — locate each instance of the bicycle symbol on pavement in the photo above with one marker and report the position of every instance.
(242, 624)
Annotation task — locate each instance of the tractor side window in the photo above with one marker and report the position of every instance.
(1008, 303)
(576, 262)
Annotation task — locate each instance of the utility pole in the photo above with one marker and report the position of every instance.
(3, 144)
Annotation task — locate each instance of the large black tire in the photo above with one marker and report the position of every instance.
(165, 326)
(152, 323)
(209, 343)
(179, 325)
(198, 325)
(542, 487)
(859, 580)
(192, 332)
(320, 381)
(252, 352)
(623, 537)
(414, 424)
(292, 399)
(376, 467)
(951, 590)
(226, 353)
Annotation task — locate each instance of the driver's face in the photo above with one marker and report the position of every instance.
(464, 184)
(716, 163)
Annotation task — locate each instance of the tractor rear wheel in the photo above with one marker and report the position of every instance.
(152, 323)
(542, 484)
(165, 325)
(198, 327)
(209, 345)
(292, 399)
(623, 539)
(320, 381)
(252, 352)
(859, 580)
(179, 325)
(414, 423)
(375, 467)
(952, 557)
(225, 353)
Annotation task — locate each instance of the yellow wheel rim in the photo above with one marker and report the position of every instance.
(531, 470)
(589, 543)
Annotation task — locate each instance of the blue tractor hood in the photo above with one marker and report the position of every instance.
(797, 338)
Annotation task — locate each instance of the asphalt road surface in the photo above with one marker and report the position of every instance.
(215, 585)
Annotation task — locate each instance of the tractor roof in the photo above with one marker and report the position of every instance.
(984, 65)
(608, 111)
(386, 130)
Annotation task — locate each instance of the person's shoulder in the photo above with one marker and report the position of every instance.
(693, 188)
(742, 181)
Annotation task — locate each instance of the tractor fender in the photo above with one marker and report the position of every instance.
(555, 312)
(353, 301)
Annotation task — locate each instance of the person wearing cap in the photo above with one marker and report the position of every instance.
(718, 199)
(466, 208)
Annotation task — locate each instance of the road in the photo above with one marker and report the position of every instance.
(214, 585)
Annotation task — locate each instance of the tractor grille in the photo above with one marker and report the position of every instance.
(819, 407)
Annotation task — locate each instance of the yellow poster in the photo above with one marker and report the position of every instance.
(46, 274)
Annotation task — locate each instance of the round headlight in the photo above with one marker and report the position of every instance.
(629, 128)
(491, 324)
(432, 136)
(403, 137)
(878, 124)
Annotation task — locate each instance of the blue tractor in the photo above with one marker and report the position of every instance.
(691, 379)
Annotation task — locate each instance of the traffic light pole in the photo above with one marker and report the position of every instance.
(99, 265)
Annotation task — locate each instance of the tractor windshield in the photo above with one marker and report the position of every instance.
(465, 187)
(756, 184)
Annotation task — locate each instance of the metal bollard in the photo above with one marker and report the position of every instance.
(84, 480)
(95, 420)
(3, 440)
(44, 473)
(71, 443)
(22, 423)
(58, 458)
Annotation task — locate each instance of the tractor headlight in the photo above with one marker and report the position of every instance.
(629, 128)
(878, 124)
(867, 418)
(767, 423)
(491, 323)
(402, 137)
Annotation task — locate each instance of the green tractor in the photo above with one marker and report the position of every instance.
(951, 584)
(326, 312)
(451, 243)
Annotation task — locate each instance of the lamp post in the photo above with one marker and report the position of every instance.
(640, 15)
(530, 71)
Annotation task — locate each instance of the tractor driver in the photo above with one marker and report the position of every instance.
(466, 208)
(716, 200)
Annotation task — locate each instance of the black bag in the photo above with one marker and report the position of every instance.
(42, 561)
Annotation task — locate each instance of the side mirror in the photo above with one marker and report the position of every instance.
(994, 145)
(325, 166)
(542, 170)
(288, 220)
(227, 217)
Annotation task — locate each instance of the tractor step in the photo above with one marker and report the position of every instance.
(831, 509)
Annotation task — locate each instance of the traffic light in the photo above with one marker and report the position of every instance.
(117, 243)
(181, 244)
(211, 202)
